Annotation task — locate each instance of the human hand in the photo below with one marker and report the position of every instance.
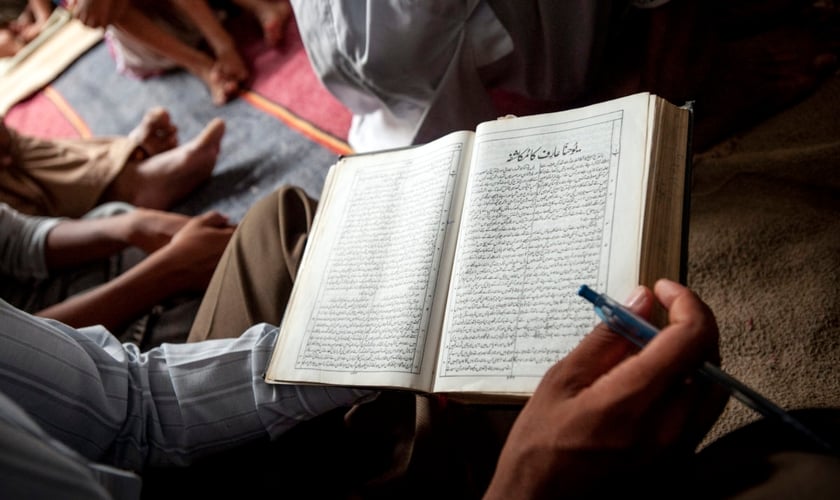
(195, 250)
(150, 229)
(97, 13)
(606, 411)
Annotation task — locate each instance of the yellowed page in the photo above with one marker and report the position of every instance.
(553, 202)
(367, 305)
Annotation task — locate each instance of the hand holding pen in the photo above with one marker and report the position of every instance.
(624, 322)
(612, 420)
(608, 413)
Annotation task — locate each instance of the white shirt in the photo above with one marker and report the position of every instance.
(88, 400)
(22, 241)
(387, 60)
(411, 71)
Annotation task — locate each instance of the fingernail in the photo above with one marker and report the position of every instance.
(635, 297)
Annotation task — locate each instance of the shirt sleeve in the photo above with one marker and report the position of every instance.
(22, 242)
(167, 406)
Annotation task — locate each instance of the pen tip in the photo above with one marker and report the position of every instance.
(587, 293)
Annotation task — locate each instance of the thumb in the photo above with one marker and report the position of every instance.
(601, 350)
(214, 219)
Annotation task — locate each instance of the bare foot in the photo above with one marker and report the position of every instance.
(155, 133)
(222, 87)
(273, 16)
(161, 180)
(230, 64)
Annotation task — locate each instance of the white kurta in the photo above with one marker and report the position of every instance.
(412, 71)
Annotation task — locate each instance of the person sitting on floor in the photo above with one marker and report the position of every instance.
(411, 72)
(149, 37)
(68, 177)
(82, 416)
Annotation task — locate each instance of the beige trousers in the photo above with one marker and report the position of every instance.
(63, 177)
(254, 277)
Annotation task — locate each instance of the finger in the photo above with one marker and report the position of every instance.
(600, 350)
(675, 353)
(684, 416)
(214, 218)
(685, 307)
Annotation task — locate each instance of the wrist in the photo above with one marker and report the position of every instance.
(173, 267)
(132, 224)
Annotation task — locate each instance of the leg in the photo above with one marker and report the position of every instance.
(155, 133)
(140, 27)
(393, 447)
(228, 60)
(161, 180)
(254, 277)
(61, 177)
(272, 15)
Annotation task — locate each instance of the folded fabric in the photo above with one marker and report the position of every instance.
(61, 42)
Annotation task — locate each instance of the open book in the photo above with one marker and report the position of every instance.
(453, 266)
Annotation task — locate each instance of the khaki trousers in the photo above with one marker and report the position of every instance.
(254, 277)
(61, 177)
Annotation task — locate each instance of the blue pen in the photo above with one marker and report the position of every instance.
(624, 322)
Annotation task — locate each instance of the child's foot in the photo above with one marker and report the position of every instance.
(273, 17)
(163, 179)
(155, 133)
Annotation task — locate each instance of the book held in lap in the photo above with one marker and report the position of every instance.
(452, 267)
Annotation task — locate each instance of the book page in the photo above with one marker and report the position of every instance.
(553, 202)
(367, 291)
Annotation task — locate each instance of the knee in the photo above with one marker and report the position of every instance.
(286, 211)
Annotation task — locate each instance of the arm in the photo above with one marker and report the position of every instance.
(97, 13)
(605, 413)
(184, 264)
(41, 9)
(22, 240)
(124, 15)
(167, 406)
(32, 246)
(227, 55)
(74, 242)
(32, 21)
